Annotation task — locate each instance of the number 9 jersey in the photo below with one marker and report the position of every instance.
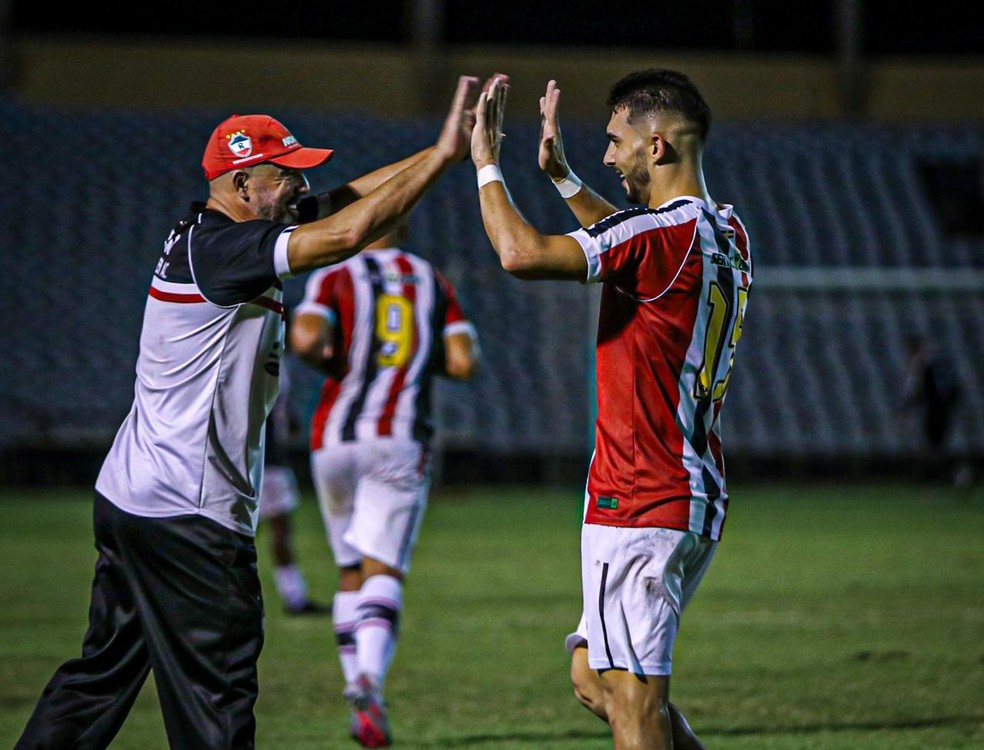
(389, 312)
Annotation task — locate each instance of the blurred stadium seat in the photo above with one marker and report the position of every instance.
(821, 362)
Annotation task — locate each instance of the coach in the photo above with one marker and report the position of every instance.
(176, 588)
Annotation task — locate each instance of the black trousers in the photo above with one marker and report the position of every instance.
(179, 596)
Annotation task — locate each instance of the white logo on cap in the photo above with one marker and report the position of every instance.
(240, 144)
(289, 141)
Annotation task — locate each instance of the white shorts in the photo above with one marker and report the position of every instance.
(373, 495)
(279, 493)
(636, 583)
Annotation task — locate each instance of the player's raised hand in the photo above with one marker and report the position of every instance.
(551, 155)
(487, 134)
(455, 137)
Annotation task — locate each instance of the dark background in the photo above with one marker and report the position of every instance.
(945, 27)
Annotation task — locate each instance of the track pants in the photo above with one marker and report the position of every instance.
(179, 596)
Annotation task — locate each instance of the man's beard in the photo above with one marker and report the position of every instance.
(276, 212)
(635, 184)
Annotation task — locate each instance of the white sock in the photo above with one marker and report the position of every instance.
(379, 608)
(343, 615)
(290, 585)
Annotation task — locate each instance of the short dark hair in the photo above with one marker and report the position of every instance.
(661, 90)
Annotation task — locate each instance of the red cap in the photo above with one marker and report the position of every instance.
(245, 140)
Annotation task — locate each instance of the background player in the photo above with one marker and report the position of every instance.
(675, 273)
(380, 327)
(279, 498)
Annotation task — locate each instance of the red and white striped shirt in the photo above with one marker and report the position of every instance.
(390, 312)
(676, 281)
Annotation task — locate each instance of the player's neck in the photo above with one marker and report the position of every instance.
(668, 184)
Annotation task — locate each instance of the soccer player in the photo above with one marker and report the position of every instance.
(280, 497)
(380, 326)
(176, 589)
(675, 274)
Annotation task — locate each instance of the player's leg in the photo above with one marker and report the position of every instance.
(333, 474)
(636, 584)
(391, 499)
(589, 691)
(202, 615)
(587, 684)
(637, 707)
(279, 498)
(684, 738)
(87, 700)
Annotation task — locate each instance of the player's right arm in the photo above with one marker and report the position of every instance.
(313, 326)
(392, 194)
(586, 205)
(460, 355)
(311, 339)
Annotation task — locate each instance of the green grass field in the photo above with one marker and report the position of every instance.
(834, 616)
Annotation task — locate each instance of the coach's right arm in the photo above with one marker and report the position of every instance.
(392, 194)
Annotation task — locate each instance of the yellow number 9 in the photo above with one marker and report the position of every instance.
(394, 329)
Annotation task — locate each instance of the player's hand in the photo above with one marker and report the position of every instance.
(487, 134)
(454, 140)
(551, 155)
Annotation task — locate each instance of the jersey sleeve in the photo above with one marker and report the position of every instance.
(321, 294)
(640, 250)
(238, 262)
(455, 320)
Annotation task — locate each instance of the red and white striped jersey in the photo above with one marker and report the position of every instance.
(390, 311)
(676, 282)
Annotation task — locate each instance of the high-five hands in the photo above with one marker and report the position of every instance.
(453, 142)
(551, 154)
(487, 134)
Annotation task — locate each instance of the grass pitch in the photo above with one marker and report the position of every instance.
(834, 616)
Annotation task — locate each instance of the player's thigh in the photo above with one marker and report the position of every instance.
(334, 472)
(390, 501)
(636, 583)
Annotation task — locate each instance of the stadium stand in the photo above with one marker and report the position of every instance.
(851, 249)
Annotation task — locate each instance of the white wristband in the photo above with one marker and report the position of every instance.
(569, 186)
(488, 173)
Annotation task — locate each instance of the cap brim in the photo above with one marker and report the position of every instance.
(303, 158)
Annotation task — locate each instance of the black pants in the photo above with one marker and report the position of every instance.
(180, 596)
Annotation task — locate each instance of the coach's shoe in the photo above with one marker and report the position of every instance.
(308, 608)
(369, 723)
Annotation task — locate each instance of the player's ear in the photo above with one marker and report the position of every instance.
(661, 150)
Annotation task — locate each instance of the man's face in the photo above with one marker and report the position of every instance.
(629, 153)
(273, 189)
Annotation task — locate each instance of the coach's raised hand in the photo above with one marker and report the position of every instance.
(453, 142)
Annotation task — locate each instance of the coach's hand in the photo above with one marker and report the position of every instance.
(453, 142)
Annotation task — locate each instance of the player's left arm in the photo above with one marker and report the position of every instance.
(523, 251)
(586, 205)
